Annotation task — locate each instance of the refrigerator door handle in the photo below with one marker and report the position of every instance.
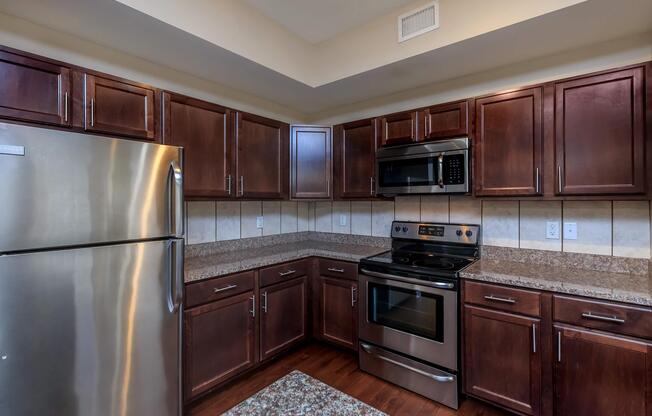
(175, 297)
(175, 202)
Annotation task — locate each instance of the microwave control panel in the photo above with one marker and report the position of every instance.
(454, 169)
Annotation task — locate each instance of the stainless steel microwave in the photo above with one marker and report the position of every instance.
(424, 168)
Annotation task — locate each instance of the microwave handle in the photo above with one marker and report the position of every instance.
(440, 170)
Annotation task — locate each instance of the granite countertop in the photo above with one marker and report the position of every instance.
(621, 287)
(218, 264)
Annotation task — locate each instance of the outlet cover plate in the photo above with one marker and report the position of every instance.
(259, 222)
(570, 231)
(552, 230)
(342, 220)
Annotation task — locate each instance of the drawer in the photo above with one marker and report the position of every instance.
(283, 272)
(218, 288)
(606, 316)
(526, 302)
(336, 268)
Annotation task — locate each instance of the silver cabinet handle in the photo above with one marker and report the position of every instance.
(536, 180)
(500, 299)
(371, 185)
(253, 306)
(222, 289)
(241, 185)
(353, 298)
(288, 273)
(333, 269)
(228, 184)
(613, 319)
(559, 346)
(65, 107)
(264, 302)
(559, 178)
(442, 379)
(440, 170)
(534, 338)
(92, 112)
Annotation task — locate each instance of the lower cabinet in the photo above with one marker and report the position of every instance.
(219, 342)
(338, 312)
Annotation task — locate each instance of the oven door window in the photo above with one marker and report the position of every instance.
(407, 172)
(407, 310)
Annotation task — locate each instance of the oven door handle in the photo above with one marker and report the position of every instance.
(442, 379)
(443, 285)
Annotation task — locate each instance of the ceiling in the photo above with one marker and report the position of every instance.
(319, 20)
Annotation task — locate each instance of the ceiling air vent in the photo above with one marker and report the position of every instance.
(418, 22)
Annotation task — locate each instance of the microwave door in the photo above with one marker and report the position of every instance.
(407, 175)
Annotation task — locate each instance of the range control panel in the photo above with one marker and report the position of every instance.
(451, 233)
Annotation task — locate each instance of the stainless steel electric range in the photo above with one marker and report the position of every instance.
(409, 307)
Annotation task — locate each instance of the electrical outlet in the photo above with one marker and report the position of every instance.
(552, 230)
(570, 231)
(259, 222)
(342, 220)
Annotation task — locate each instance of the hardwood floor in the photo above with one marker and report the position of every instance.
(339, 369)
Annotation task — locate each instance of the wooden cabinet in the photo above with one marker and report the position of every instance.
(310, 160)
(116, 107)
(283, 316)
(338, 312)
(33, 90)
(508, 146)
(204, 131)
(262, 151)
(400, 128)
(219, 342)
(446, 120)
(600, 134)
(502, 358)
(601, 374)
(354, 159)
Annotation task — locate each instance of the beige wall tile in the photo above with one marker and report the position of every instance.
(289, 217)
(306, 216)
(434, 208)
(249, 210)
(593, 220)
(534, 216)
(341, 208)
(407, 208)
(382, 215)
(361, 217)
(201, 222)
(323, 217)
(465, 210)
(228, 220)
(500, 223)
(272, 217)
(631, 229)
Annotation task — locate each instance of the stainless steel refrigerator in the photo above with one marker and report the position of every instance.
(91, 274)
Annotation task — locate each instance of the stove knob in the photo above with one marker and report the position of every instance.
(397, 228)
(405, 229)
(459, 233)
(469, 233)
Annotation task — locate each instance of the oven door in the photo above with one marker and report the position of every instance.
(413, 319)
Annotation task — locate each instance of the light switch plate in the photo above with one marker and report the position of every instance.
(552, 230)
(570, 231)
(259, 222)
(342, 220)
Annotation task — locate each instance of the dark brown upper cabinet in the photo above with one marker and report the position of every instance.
(446, 120)
(354, 159)
(204, 131)
(600, 134)
(400, 128)
(508, 145)
(310, 159)
(33, 90)
(261, 157)
(116, 107)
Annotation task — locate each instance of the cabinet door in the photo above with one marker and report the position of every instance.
(400, 128)
(219, 342)
(354, 159)
(204, 131)
(283, 316)
(600, 133)
(446, 120)
(508, 143)
(34, 90)
(338, 311)
(262, 157)
(310, 158)
(600, 374)
(115, 107)
(503, 358)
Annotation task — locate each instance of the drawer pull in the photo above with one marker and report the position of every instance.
(333, 269)
(500, 299)
(222, 289)
(612, 319)
(289, 272)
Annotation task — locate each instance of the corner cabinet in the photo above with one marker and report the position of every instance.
(354, 159)
(262, 157)
(310, 162)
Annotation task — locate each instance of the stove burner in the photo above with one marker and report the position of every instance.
(439, 263)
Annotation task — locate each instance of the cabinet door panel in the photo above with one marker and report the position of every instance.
(119, 108)
(282, 317)
(219, 342)
(204, 131)
(600, 374)
(262, 157)
(311, 162)
(354, 159)
(34, 90)
(338, 312)
(446, 120)
(600, 133)
(399, 128)
(503, 358)
(508, 143)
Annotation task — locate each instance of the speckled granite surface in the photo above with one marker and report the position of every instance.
(300, 394)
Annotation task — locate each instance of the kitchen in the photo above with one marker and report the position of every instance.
(387, 207)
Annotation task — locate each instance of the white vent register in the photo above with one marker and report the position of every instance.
(419, 21)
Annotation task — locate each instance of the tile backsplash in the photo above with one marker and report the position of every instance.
(618, 228)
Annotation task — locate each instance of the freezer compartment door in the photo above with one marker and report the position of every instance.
(92, 331)
(64, 189)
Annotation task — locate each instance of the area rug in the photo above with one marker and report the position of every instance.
(299, 394)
